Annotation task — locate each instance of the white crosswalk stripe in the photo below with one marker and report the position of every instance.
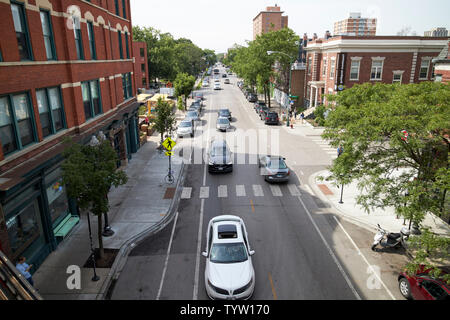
(186, 193)
(258, 191)
(276, 191)
(294, 190)
(222, 191)
(240, 190)
(204, 192)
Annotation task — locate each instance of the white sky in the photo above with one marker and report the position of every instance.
(218, 24)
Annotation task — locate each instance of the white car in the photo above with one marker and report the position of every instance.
(229, 272)
(185, 128)
(217, 86)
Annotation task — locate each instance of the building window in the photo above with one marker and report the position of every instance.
(332, 67)
(119, 34)
(425, 65)
(78, 38)
(57, 198)
(48, 35)
(91, 36)
(143, 67)
(127, 45)
(22, 35)
(324, 68)
(91, 99)
(51, 111)
(124, 9)
(309, 65)
(397, 77)
(116, 3)
(354, 70)
(16, 123)
(127, 86)
(142, 52)
(144, 82)
(377, 70)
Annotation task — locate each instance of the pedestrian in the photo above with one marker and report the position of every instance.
(24, 268)
(295, 114)
(303, 117)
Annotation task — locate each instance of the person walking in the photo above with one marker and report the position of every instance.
(303, 117)
(24, 268)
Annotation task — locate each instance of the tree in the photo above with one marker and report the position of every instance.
(184, 85)
(89, 173)
(165, 118)
(395, 140)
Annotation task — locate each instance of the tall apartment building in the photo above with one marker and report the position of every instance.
(436, 32)
(271, 19)
(66, 70)
(356, 26)
(340, 62)
(141, 64)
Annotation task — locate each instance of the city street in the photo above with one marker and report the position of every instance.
(303, 250)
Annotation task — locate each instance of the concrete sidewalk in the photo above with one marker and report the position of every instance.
(141, 207)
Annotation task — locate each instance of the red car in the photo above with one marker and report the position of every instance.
(423, 286)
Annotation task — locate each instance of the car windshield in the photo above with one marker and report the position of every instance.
(228, 253)
(191, 114)
(219, 151)
(223, 121)
(185, 124)
(226, 112)
(277, 164)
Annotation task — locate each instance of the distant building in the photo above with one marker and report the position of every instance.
(340, 62)
(270, 20)
(442, 65)
(140, 65)
(436, 32)
(356, 26)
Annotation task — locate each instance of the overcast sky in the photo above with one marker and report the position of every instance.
(218, 24)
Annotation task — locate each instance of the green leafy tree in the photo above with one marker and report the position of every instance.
(184, 84)
(89, 172)
(165, 117)
(407, 172)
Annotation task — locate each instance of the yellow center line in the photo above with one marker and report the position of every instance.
(273, 288)
(253, 207)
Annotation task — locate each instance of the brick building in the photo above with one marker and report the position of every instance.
(342, 61)
(271, 19)
(141, 64)
(355, 25)
(66, 69)
(442, 65)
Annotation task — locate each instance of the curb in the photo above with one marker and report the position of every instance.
(125, 249)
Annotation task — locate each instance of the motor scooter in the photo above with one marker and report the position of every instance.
(390, 240)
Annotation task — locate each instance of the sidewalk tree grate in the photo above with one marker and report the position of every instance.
(106, 262)
(326, 191)
(170, 193)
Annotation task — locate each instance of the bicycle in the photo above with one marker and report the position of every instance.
(169, 178)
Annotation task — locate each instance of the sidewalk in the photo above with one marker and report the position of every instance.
(141, 207)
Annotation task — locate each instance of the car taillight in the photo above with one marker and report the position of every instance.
(267, 118)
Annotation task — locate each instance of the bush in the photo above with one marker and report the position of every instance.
(143, 110)
(319, 113)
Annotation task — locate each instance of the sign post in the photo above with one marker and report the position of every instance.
(169, 144)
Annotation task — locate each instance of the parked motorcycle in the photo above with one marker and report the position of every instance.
(390, 240)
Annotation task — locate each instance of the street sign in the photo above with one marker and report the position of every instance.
(169, 153)
(169, 144)
(294, 97)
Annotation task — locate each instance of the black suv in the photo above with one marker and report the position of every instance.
(252, 97)
(271, 118)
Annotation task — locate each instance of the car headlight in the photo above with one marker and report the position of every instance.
(230, 162)
(244, 288)
(211, 163)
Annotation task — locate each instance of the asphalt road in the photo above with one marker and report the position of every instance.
(303, 251)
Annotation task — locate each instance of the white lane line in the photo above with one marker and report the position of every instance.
(222, 191)
(258, 191)
(365, 260)
(333, 256)
(204, 192)
(167, 258)
(186, 193)
(240, 190)
(294, 190)
(276, 191)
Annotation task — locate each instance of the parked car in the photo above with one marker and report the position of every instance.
(229, 272)
(199, 95)
(423, 286)
(219, 157)
(261, 109)
(205, 84)
(272, 118)
(273, 168)
(186, 127)
(224, 75)
(264, 111)
(225, 113)
(223, 124)
(251, 97)
(258, 103)
(192, 115)
(217, 86)
(226, 81)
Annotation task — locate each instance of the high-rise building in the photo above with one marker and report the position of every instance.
(66, 70)
(436, 32)
(355, 25)
(271, 19)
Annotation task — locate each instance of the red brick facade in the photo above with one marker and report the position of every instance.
(401, 57)
(141, 64)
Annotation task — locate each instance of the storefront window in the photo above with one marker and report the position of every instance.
(24, 227)
(56, 195)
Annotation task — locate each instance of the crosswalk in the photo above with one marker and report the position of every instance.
(240, 191)
(325, 146)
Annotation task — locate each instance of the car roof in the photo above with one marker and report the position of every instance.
(222, 118)
(186, 121)
(221, 110)
(218, 143)
(227, 230)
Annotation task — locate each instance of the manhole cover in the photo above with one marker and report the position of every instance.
(170, 193)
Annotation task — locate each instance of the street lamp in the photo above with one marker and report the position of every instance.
(95, 142)
(290, 77)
